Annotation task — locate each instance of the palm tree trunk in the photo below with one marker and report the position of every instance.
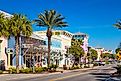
(17, 53)
(49, 34)
(49, 43)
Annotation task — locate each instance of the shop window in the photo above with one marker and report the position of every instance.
(57, 33)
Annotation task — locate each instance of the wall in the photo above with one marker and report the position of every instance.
(4, 45)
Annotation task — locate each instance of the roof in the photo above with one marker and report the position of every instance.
(54, 31)
(36, 37)
(6, 14)
(79, 33)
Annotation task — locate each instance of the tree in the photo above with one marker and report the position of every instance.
(94, 54)
(118, 24)
(50, 19)
(4, 29)
(117, 50)
(19, 24)
(76, 50)
(105, 55)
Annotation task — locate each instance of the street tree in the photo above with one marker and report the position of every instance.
(19, 24)
(76, 50)
(94, 54)
(105, 55)
(4, 29)
(50, 19)
(117, 50)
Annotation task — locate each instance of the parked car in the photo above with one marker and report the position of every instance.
(100, 63)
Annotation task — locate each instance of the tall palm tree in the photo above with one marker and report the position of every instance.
(50, 19)
(4, 29)
(19, 24)
(118, 24)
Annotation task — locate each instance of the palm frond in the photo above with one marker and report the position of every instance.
(50, 19)
(117, 24)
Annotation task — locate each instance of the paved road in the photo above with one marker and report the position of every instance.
(99, 74)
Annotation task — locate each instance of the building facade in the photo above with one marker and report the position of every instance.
(30, 52)
(84, 37)
(60, 42)
(3, 46)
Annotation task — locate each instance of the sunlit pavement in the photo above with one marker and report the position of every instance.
(100, 73)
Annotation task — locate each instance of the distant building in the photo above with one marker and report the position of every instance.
(99, 51)
(84, 38)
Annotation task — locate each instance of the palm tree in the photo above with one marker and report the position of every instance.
(118, 24)
(4, 29)
(50, 19)
(19, 24)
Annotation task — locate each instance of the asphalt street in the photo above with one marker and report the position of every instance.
(99, 74)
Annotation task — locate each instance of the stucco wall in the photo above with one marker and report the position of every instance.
(4, 45)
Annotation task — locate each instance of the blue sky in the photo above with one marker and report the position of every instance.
(94, 17)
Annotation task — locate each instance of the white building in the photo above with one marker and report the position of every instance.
(61, 41)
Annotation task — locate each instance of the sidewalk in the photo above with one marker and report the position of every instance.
(4, 77)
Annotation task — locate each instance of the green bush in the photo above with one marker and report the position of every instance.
(12, 70)
(106, 62)
(44, 68)
(95, 64)
(86, 66)
(76, 67)
(38, 69)
(71, 68)
(81, 65)
(53, 67)
(27, 70)
(1, 71)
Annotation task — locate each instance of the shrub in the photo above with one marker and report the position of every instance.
(38, 69)
(27, 70)
(64, 67)
(12, 70)
(86, 66)
(71, 68)
(106, 62)
(53, 67)
(1, 71)
(95, 64)
(81, 65)
(44, 68)
(76, 67)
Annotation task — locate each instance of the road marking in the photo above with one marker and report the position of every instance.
(67, 76)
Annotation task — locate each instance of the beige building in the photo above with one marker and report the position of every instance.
(61, 41)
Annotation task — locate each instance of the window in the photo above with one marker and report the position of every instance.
(75, 35)
(57, 33)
